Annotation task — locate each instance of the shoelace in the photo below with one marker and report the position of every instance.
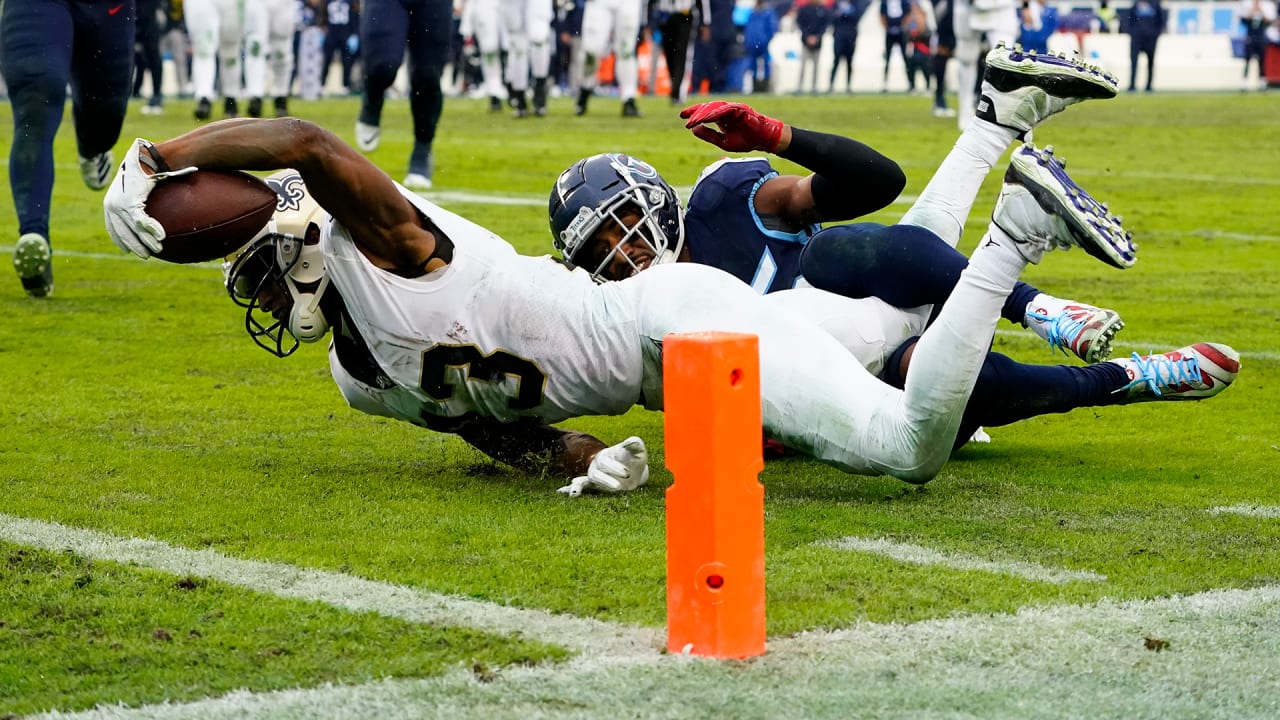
(1158, 370)
(1064, 329)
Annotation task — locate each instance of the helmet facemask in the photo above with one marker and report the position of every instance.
(590, 184)
(285, 259)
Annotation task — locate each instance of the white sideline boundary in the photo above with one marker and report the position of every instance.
(920, 555)
(590, 637)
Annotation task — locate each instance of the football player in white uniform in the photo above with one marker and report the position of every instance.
(268, 34)
(495, 346)
(529, 45)
(602, 20)
(217, 34)
(996, 22)
(482, 20)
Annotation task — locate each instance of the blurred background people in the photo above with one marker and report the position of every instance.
(757, 34)
(149, 59)
(1146, 23)
(845, 16)
(268, 52)
(812, 20)
(602, 20)
(676, 21)
(1255, 17)
(941, 49)
(175, 44)
(341, 40)
(529, 45)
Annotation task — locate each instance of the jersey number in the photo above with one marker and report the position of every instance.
(479, 367)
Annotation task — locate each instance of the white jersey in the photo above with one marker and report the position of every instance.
(507, 336)
(494, 333)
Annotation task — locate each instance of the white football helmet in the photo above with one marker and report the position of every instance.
(285, 253)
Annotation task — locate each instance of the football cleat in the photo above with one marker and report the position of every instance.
(1084, 330)
(417, 182)
(1022, 89)
(204, 109)
(367, 137)
(519, 104)
(33, 259)
(1194, 372)
(96, 171)
(282, 106)
(580, 107)
(255, 107)
(230, 108)
(1041, 208)
(629, 109)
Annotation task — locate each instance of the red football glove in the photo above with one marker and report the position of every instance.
(742, 129)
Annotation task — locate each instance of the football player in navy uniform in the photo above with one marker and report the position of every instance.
(762, 227)
(46, 45)
(387, 28)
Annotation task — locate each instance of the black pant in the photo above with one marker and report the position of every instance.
(148, 39)
(675, 47)
(1142, 45)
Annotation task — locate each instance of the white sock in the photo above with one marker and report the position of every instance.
(945, 203)
(1000, 257)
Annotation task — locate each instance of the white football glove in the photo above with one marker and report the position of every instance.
(124, 205)
(615, 469)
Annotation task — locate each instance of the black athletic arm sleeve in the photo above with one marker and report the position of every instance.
(850, 179)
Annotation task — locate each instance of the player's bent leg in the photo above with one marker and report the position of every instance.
(904, 265)
(1022, 89)
(1040, 206)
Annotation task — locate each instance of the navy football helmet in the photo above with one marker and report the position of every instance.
(596, 190)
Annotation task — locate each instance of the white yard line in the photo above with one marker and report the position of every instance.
(1207, 656)
(591, 637)
(919, 555)
(1258, 511)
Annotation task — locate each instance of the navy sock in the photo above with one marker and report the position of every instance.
(1008, 391)
(420, 159)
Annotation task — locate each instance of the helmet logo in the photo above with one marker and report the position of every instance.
(291, 190)
(634, 167)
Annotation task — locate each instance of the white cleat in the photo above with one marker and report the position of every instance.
(1042, 208)
(417, 182)
(1082, 329)
(1022, 89)
(96, 170)
(367, 137)
(1194, 372)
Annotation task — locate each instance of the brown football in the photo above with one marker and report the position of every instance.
(209, 214)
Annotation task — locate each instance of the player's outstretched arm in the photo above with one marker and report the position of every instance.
(358, 194)
(849, 179)
(538, 448)
(530, 446)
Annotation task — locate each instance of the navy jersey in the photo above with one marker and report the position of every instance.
(723, 229)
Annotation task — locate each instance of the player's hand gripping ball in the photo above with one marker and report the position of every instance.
(185, 215)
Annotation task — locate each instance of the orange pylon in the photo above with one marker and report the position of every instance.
(715, 508)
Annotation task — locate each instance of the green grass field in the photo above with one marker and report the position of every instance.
(188, 524)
